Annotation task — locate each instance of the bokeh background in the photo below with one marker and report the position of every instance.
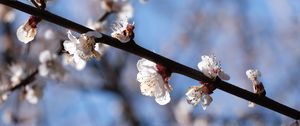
(243, 34)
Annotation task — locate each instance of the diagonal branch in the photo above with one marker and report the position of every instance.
(132, 47)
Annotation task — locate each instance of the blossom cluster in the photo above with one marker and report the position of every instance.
(154, 79)
(211, 68)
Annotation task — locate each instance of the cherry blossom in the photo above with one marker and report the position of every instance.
(33, 93)
(258, 87)
(49, 66)
(3, 97)
(82, 49)
(123, 31)
(17, 73)
(27, 31)
(153, 84)
(194, 95)
(211, 67)
(253, 75)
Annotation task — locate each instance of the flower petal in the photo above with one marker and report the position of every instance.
(43, 70)
(71, 37)
(45, 56)
(251, 105)
(193, 95)
(146, 65)
(164, 99)
(26, 33)
(79, 63)
(205, 101)
(70, 46)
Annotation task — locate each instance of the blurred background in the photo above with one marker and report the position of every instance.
(243, 34)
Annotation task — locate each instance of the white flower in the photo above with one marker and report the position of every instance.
(3, 97)
(32, 95)
(194, 95)
(83, 49)
(258, 87)
(211, 67)
(253, 74)
(49, 34)
(123, 31)
(26, 32)
(251, 104)
(49, 66)
(152, 83)
(17, 74)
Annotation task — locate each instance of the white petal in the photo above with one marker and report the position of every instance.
(253, 74)
(150, 86)
(101, 48)
(164, 99)
(49, 34)
(200, 65)
(120, 36)
(43, 70)
(45, 56)
(70, 46)
(25, 33)
(72, 37)
(143, 76)
(79, 63)
(148, 89)
(193, 95)
(146, 65)
(206, 100)
(224, 76)
(31, 96)
(251, 105)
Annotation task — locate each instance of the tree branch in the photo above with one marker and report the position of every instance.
(132, 47)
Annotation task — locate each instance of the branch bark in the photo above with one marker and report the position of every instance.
(132, 47)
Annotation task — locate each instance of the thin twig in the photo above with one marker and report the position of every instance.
(132, 47)
(25, 81)
(105, 15)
